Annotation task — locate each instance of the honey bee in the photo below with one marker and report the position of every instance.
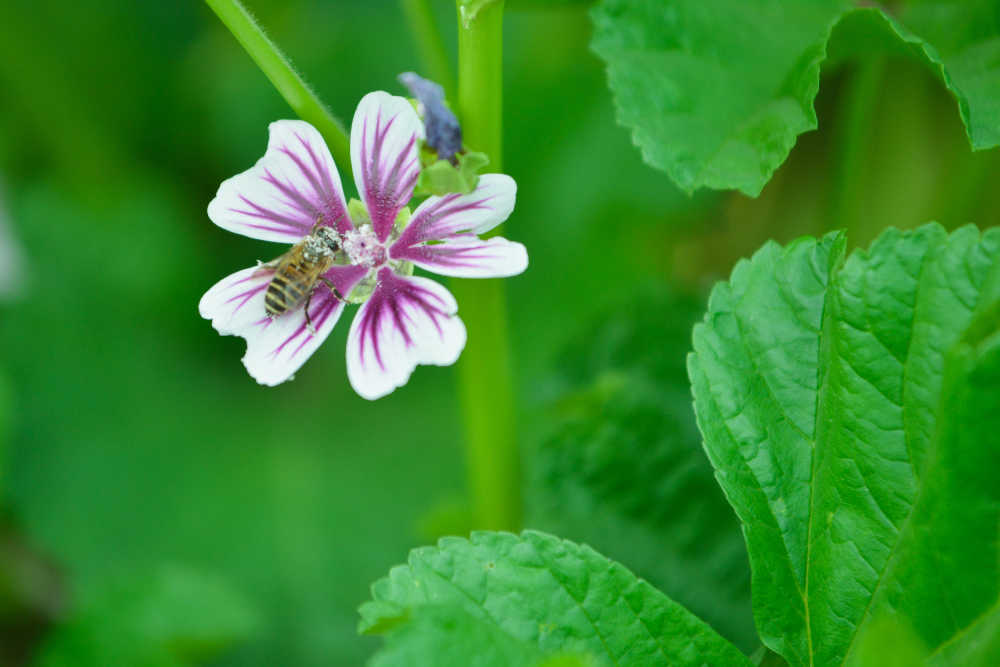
(297, 272)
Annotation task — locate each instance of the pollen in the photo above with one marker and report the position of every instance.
(363, 247)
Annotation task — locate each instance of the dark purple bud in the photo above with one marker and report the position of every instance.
(444, 134)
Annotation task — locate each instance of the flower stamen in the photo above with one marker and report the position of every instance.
(363, 247)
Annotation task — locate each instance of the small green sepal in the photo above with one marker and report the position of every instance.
(402, 219)
(358, 212)
(441, 177)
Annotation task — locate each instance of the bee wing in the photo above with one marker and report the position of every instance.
(270, 267)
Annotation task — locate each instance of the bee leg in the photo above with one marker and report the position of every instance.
(333, 288)
(309, 325)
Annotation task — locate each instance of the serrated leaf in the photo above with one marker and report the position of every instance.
(833, 421)
(623, 469)
(966, 35)
(949, 558)
(445, 636)
(503, 599)
(715, 92)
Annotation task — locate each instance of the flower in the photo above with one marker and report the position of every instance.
(403, 320)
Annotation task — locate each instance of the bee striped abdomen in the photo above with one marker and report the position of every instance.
(298, 270)
(288, 288)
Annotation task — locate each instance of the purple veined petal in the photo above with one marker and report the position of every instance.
(344, 278)
(290, 189)
(405, 322)
(468, 256)
(384, 155)
(479, 211)
(276, 347)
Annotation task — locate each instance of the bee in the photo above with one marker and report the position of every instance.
(297, 272)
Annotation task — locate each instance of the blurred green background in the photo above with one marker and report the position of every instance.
(142, 468)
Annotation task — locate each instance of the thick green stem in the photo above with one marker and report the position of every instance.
(279, 70)
(5, 411)
(486, 387)
(430, 44)
(855, 115)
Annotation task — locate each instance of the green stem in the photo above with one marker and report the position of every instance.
(5, 412)
(430, 44)
(279, 70)
(485, 382)
(855, 116)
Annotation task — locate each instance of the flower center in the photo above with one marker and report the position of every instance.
(363, 247)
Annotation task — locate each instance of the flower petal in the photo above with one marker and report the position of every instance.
(405, 322)
(479, 211)
(468, 256)
(384, 156)
(290, 189)
(276, 347)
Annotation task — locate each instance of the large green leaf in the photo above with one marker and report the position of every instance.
(716, 91)
(502, 599)
(855, 451)
(622, 468)
(966, 35)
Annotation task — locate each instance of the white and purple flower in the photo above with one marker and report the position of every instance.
(403, 320)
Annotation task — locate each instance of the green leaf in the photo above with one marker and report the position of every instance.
(441, 177)
(171, 617)
(938, 533)
(978, 645)
(854, 449)
(715, 92)
(953, 536)
(765, 657)
(508, 600)
(623, 469)
(966, 35)
(889, 642)
(568, 660)
(445, 636)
